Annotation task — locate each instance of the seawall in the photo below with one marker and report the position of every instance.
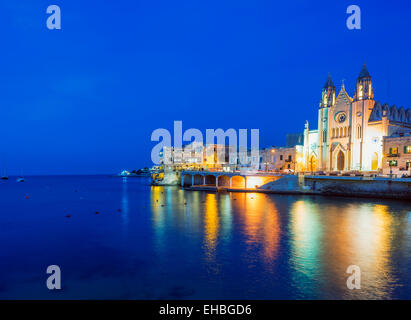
(370, 187)
(374, 187)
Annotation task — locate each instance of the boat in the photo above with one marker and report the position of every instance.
(3, 172)
(20, 179)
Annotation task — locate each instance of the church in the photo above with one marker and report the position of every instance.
(351, 129)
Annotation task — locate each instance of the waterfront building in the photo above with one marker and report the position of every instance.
(350, 131)
(196, 156)
(397, 154)
(282, 159)
(349, 137)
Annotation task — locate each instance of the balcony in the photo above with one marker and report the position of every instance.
(393, 155)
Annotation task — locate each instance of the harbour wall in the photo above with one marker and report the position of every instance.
(348, 186)
(370, 187)
(374, 187)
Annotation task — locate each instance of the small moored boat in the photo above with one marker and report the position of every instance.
(20, 178)
(3, 171)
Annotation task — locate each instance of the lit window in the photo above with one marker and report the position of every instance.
(394, 150)
(392, 163)
(407, 149)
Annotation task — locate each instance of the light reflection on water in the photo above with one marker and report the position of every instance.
(124, 202)
(323, 240)
(211, 227)
(170, 243)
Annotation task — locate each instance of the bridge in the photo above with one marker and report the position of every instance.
(226, 179)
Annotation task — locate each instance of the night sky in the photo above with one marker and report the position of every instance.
(85, 99)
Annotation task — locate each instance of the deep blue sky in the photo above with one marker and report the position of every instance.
(86, 98)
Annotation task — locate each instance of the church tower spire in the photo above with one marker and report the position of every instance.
(328, 93)
(363, 89)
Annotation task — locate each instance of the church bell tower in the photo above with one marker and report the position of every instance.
(362, 105)
(328, 94)
(364, 89)
(327, 100)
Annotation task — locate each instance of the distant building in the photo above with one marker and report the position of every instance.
(397, 154)
(294, 139)
(212, 157)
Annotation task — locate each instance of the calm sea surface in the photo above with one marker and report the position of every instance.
(166, 243)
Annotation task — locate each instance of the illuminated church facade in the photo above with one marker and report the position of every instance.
(350, 130)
